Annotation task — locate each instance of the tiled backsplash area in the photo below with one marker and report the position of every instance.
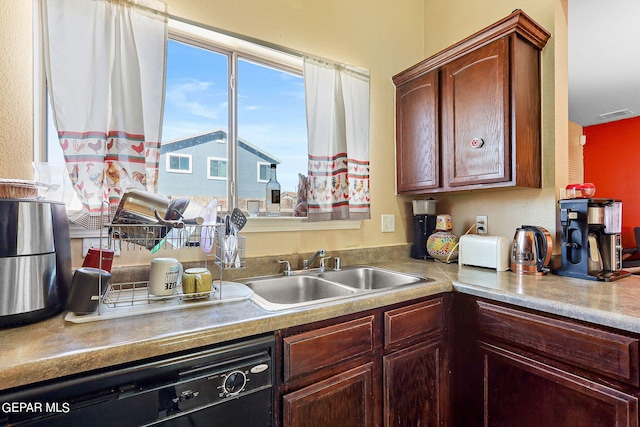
(267, 265)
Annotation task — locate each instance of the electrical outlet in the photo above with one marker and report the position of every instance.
(94, 242)
(482, 224)
(388, 223)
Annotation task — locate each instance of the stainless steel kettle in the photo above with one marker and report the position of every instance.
(531, 250)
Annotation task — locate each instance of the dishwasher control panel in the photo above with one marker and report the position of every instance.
(210, 385)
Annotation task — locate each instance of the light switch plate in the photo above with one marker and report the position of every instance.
(388, 223)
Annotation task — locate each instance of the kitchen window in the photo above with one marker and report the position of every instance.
(239, 105)
(221, 89)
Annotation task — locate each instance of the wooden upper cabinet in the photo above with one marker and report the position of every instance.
(469, 117)
(418, 167)
(475, 112)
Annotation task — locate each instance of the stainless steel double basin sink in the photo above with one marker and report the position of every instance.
(304, 288)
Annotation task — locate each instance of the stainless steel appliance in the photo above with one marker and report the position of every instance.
(35, 260)
(531, 250)
(591, 239)
(225, 385)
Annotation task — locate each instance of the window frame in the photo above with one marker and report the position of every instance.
(168, 167)
(248, 48)
(219, 160)
(259, 166)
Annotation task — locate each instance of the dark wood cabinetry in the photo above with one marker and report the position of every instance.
(469, 117)
(475, 116)
(417, 159)
(388, 367)
(416, 365)
(520, 368)
(521, 391)
(345, 400)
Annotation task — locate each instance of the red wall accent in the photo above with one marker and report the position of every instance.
(612, 163)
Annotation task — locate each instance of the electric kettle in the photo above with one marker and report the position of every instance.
(531, 250)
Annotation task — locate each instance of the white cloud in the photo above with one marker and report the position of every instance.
(186, 95)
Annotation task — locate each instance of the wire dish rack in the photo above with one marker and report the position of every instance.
(135, 292)
(132, 298)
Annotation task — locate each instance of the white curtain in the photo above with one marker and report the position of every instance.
(105, 66)
(338, 129)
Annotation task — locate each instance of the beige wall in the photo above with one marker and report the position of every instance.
(576, 155)
(16, 100)
(383, 36)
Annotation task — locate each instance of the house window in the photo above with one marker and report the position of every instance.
(178, 163)
(264, 170)
(217, 168)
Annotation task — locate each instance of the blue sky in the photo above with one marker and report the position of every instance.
(271, 106)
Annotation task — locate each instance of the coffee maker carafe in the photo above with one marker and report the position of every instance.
(591, 239)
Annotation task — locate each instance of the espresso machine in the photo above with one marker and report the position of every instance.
(424, 224)
(591, 239)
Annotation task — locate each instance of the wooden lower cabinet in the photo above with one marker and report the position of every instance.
(345, 400)
(520, 391)
(518, 368)
(415, 386)
(383, 367)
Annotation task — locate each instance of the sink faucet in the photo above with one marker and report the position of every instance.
(287, 267)
(306, 264)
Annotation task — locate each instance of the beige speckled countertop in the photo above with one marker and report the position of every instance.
(54, 348)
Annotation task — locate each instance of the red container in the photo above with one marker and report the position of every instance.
(93, 259)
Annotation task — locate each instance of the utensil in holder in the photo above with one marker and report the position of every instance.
(230, 248)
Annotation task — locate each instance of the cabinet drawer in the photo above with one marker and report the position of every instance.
(314, 350)
(405, 324)
(601, 352)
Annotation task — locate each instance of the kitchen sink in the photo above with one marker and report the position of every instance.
(362, 277)
(284, 292)
(305, 288)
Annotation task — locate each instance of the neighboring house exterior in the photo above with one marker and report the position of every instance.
(197, 166)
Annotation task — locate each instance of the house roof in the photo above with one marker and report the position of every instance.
(217, 135)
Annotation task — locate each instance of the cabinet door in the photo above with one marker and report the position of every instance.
(522, 392)
(415, 387)
(417, 136)
(344, 400)
(475, 110)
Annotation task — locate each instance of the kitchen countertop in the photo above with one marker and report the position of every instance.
(54, 347)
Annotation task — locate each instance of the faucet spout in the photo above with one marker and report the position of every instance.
(306, 264)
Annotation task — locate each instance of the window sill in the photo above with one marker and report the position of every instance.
(266, 225)
(254, 225)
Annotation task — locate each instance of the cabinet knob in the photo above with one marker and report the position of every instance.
(477, 142)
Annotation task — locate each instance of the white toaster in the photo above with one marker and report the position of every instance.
(484, 251)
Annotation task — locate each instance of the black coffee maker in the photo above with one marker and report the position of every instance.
(424, 224)
(591, 239)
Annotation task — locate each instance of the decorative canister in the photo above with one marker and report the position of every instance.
(443, 244)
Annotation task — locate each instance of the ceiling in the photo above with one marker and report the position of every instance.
(604, 60)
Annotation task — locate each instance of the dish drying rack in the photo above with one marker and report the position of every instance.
(131, 298)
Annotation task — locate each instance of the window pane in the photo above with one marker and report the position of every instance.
(195, 120)
(272, 128)
(174, 162)
(184, 163)
(264, 172)
(217, 168)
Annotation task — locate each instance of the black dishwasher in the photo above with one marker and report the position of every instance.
(226, 385)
